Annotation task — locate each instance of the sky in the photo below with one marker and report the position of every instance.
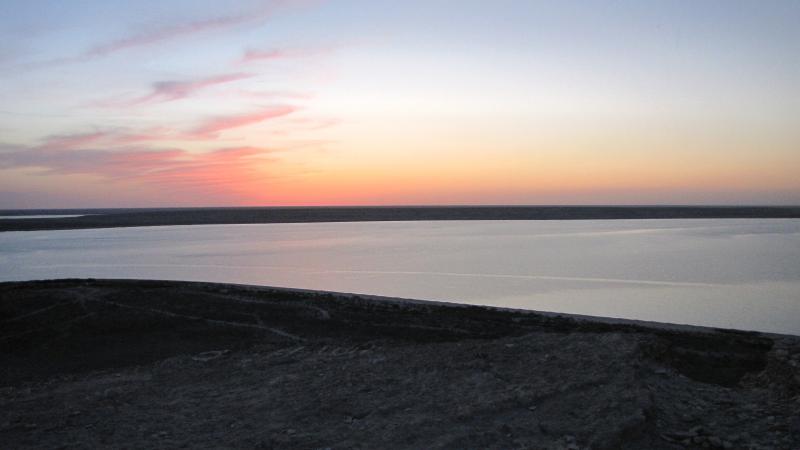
(111, 103)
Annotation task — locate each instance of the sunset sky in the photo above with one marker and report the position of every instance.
(204, 103)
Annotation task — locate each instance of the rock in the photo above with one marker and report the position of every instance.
(668, 438)
(680, 435)
(544, 428)
(696, 431)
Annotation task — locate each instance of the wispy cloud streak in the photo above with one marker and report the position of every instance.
(106, 138)
(170, 32)
(167, 91)
(67, 141)
(252, 55)
(212, 127)
(207, 130)
(289, 95)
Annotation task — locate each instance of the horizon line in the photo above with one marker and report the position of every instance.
(370, 206)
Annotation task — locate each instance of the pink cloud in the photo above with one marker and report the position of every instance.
(305, 124)
(105, 138)
(164, 34)
(166, 91)
(239, 171)
(207, 130)
(187, 29)
(175, 31)
(282, 53)
(110, 164)
(291, 95)
(238, 167)
(315, 123)
(147, 135)
(64, 141)
(212, 127)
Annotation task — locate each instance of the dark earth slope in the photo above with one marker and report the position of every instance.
(152, 364)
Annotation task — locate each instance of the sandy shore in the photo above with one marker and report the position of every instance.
(156, 364)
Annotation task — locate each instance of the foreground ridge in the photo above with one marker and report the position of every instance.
(153, 364)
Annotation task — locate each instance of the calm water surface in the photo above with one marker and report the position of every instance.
(733, 273)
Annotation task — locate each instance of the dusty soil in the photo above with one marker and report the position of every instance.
(152, 364)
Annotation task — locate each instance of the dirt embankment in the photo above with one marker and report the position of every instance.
(149, 364)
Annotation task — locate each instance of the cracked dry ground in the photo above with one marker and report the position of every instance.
(136, 364)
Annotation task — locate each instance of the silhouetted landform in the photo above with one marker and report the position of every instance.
(157, 364)
(108, 218)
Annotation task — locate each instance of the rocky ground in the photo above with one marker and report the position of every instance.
(149, 364)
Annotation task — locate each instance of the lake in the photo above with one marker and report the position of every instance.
(731, 273)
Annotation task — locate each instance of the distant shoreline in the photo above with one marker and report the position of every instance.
(140, 217)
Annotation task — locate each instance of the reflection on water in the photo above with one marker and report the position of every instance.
(741, 273)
